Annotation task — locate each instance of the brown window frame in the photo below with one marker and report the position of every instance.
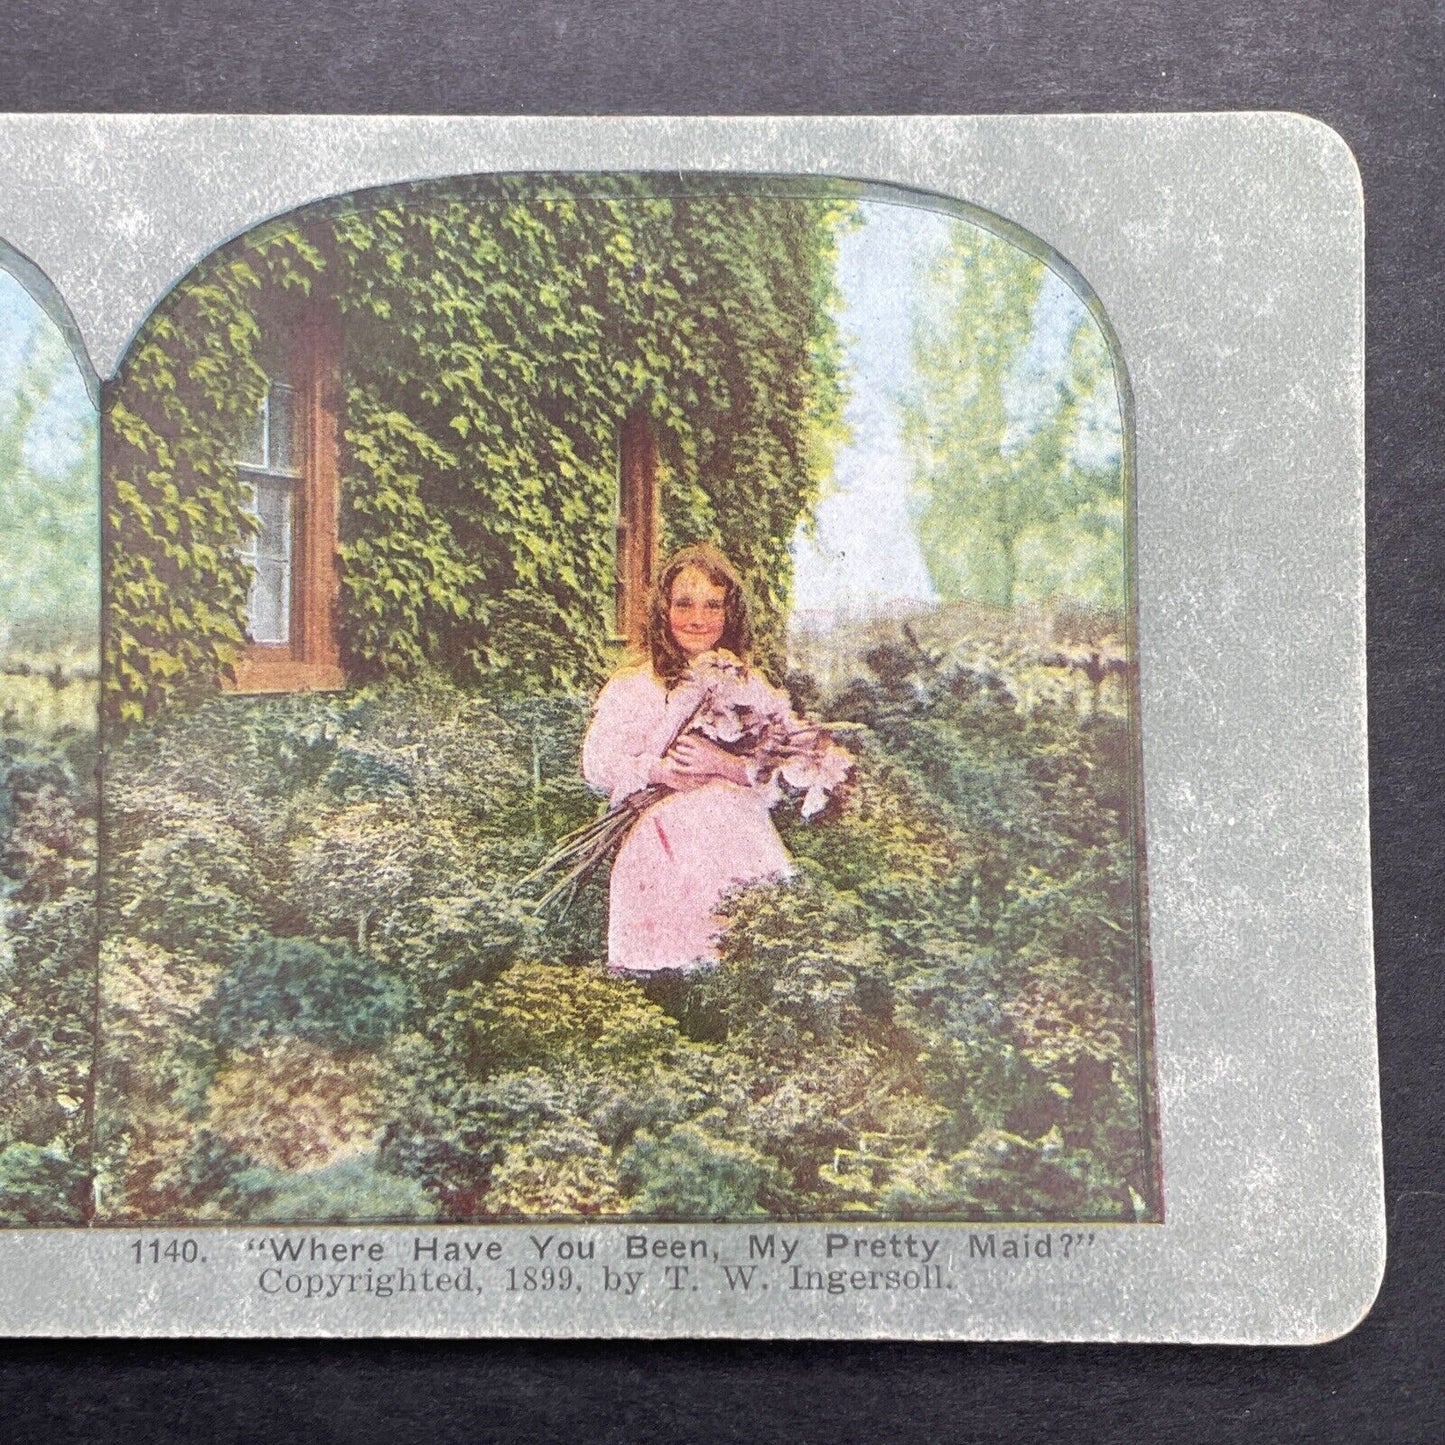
(637, 527)
(310, 661)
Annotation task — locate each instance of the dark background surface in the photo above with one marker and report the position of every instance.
(1373, 72)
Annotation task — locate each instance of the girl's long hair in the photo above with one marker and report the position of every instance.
(669, 661)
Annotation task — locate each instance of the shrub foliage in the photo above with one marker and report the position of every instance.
(47, 974)
(937, 1016)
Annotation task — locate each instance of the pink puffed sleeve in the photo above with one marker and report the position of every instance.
(633, 724)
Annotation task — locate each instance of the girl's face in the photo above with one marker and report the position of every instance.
(696, 611)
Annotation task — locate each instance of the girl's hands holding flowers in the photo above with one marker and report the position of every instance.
(693, 761)
(730, 724)
(741, 729)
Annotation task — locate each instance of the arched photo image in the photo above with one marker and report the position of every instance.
(619, 701)
(49, 678)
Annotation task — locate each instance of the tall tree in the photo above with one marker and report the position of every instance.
(49, 501)
(1013, 428)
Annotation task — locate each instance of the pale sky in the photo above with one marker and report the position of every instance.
(70, 415)
(864, 553)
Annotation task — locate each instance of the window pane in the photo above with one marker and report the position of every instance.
(270, 602)
(253, 444)
(283, 439)
(273, 509)
(269, 608)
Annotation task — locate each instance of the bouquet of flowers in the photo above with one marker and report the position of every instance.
(722, 700)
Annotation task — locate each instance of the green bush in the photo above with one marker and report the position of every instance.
(297, 988)
(47, 969)
(1003, 1175)
(41, 1186)
(558, 1169)
(936, 1016)
(349, 1192)
(185, 871)
(31, 1107)
(689, 1174)
(543, 1016)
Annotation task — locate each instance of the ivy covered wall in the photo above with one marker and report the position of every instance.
(496, 335)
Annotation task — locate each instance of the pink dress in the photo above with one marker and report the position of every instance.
(685, 851)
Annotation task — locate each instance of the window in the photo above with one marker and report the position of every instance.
(636, 527)
(271, 465)
(289, 461)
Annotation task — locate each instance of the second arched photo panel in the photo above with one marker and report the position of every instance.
(620, 701)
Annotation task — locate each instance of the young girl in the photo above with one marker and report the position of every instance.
(713, 832)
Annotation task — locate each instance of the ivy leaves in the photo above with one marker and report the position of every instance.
(174, 504)
(498, 334)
